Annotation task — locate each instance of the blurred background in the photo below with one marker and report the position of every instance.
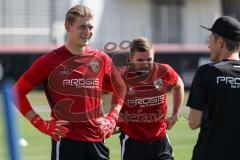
(31, 28)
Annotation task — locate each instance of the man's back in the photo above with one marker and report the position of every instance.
(224, 129)
(219, 129)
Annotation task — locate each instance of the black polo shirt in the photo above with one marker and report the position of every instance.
(216, 92)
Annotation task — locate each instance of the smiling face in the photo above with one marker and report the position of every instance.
(80, 31)
(79, 25)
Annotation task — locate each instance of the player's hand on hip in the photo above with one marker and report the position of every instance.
(107, 124)
(53, 128)
(171, 121)
(116, 130)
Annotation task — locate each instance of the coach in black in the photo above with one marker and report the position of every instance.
(214, 96)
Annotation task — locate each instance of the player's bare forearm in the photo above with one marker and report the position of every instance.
(178, 96)
(194, 118)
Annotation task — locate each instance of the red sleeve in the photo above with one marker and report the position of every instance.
(35, 75)
(113, 82)
(39, 71)
(20, 89)
(171, 75)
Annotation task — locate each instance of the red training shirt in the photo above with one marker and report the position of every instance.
(143, 116)
(73, 86)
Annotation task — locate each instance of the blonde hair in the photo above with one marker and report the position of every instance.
(78, 11)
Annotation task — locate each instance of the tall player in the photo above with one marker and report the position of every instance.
(143, 119)
(214, 95)
(72, 77)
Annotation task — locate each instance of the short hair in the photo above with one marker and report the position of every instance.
(78, 11)
(141, 44)
(231, 45)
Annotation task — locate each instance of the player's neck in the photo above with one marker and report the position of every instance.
(230, 56)
(74, 49)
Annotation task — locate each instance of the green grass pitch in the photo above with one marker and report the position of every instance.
(39, 146)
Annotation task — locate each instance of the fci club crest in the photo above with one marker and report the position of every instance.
(94, 66)
(158, 84)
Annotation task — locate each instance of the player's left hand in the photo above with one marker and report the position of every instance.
(107, 124)
(171, 121)
(116, 130)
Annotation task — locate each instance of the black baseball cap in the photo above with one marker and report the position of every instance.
(227, 27)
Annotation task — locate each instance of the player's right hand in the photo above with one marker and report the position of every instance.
(53, 128)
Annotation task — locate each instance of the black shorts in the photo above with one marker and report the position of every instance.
(67, 149)
(156, 150)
